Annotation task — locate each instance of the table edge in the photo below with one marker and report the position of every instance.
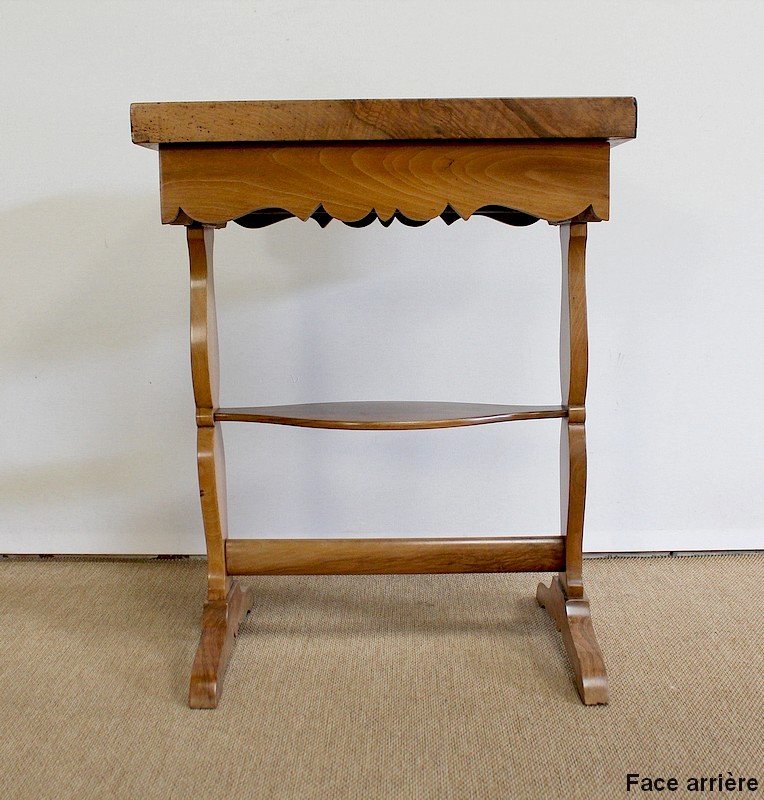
(269, 121)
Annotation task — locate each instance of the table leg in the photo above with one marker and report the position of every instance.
(565, 599)
(227, 602)
(573, 619)
(220, 626)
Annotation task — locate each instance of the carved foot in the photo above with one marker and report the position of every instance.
(574, 621)
(220, 626)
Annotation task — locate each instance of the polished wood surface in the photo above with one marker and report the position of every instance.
(204, 373)
(387, 415)
(362, 161)
(205, 369)
(613, 118)
(573, 619)
(555, 181)
(220, 626)
(574, 367)
(393, 556)
(565, 598)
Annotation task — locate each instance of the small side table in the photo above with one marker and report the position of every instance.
(513, 160)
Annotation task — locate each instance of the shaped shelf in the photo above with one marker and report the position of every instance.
(387, 415)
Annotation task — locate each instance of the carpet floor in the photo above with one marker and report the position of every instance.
(432, 687)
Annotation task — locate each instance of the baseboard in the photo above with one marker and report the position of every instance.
(159, 557)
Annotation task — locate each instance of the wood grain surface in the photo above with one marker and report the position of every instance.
(387, 415)
(358, 161)
(550, 180)
(393, 556)
(610, 118)
(574, 621)
(209, 437)
(574, 369)
(220, 626)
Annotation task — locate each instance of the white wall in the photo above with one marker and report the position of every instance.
(98, 449)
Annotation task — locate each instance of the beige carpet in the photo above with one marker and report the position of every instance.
(394, 687)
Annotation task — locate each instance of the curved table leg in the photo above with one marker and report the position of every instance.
(565, 599)
(220, 626)
(574, 621)
(227, 602)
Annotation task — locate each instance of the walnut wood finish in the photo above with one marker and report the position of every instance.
(574, 368)
(220, 626)
(393, 556)
(611, 118)
(565, 599)
(387, 416)
(555, 181)
(514, 160)
(204, 373)
(574, 621)
(227, 603)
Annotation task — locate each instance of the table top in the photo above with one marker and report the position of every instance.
(605, 118)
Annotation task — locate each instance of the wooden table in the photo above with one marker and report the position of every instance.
(513, 160)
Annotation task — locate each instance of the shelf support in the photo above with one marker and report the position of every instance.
(394, 556)
(565, 598)
(227, 603)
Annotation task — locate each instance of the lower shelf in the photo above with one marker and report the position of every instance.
(387, 415)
